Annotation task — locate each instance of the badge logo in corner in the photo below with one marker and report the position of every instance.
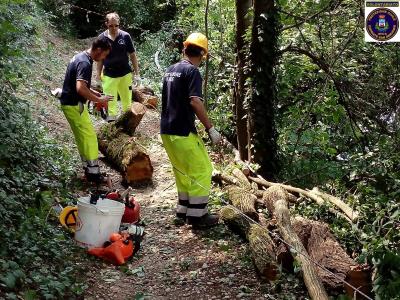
(382, 24)
(121, 42)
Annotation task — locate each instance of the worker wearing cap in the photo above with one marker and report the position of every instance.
(181, 102)
(75, 92)
(115, 71)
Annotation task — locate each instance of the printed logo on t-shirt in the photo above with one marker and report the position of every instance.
(121, 42)
(170, 76)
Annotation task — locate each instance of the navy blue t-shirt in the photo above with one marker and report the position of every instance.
(116, 63)
(79, 68)
(181, 81)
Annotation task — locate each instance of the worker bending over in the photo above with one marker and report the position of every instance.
(181, 102)
(75, 92)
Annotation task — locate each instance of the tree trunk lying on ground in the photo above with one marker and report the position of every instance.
(316, 238)
(242, 200)
(322, 248)
(260, 243)
(123, 150)
(277, 195)
(145, 96)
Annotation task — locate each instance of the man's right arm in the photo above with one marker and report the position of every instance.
(83, 90)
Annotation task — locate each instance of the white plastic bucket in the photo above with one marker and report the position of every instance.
(95, 223)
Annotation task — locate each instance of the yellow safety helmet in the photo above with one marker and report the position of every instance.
(198, 39)
(68, 217)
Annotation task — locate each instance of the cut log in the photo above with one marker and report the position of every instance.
(313, 282)
(145, 96)
(236, 222)
(126, 154)
(260, 244)
(323, 249)
(326, 251)
(242, 200)
(129, 120)
(262, 251)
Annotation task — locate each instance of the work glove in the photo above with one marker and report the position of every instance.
(137, 81)
(57, 92)
(214, 135)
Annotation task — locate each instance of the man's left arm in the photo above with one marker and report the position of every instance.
(134, 62)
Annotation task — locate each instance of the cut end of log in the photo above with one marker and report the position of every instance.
(139, 170)
(360, 278)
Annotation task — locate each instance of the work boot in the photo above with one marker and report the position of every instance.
(179, 219)
(206, 221)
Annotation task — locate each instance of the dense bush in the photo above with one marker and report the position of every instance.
(86, 17)
(35, 256)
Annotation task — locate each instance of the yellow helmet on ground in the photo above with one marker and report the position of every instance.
(68, 217)
(198, 39)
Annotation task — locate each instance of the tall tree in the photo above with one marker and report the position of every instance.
(243, 23)
(263, 55)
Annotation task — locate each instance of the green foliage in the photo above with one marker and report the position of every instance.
(86, 17)
(338, 124)
(35, 255)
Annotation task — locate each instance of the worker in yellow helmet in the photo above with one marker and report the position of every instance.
(181, 103)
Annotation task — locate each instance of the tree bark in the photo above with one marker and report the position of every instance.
(145, 96)
(126, 154)
(243, 23)
(313, 283)
(325, 250)
(260, 244)
(263, 52)
(243, 200)
(129, 120)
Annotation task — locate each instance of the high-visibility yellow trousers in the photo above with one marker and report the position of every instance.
(83, 130)
(192, 169)
(121, 86)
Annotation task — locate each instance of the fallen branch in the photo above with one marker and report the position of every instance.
(313, 282)
(318, 199)
(353, 215)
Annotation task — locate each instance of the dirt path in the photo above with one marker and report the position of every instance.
(174, 262)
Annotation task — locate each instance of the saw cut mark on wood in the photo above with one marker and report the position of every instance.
(318, 199)
(122, 149)
(313, 282)
(145, 96)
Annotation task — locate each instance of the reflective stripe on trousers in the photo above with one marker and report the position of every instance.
(192, 169)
